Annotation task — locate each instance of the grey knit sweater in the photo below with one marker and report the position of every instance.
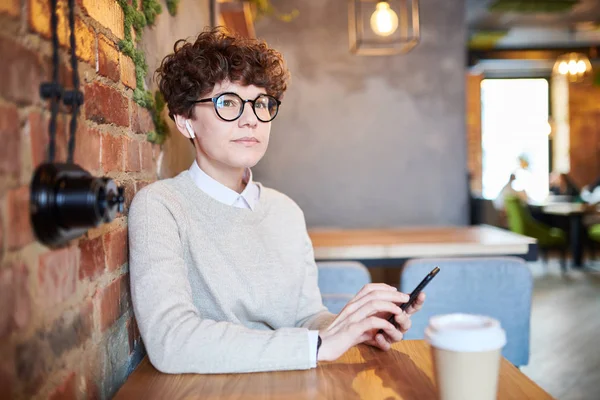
(219, 289)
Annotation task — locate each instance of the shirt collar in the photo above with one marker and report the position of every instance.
(247, 199)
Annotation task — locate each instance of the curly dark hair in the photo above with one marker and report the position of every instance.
(193, 69)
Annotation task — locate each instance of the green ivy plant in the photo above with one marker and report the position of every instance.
(138, 20)
(172, 6)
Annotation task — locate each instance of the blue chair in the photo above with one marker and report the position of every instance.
(339, 281)
(498, 287)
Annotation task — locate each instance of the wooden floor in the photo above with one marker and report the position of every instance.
(565, 332)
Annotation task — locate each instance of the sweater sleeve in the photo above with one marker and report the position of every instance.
(312, 314)
(177, 338)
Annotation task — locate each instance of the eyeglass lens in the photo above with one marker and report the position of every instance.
(229, 107)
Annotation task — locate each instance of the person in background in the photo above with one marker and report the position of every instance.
(561, 184)
(591, 193)
(509, 190)
(223, 276)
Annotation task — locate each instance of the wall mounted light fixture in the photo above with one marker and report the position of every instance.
(576, 67)
(379, 28)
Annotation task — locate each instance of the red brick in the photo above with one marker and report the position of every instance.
(141, 120)
(108, 59)
(66, 391)
(92, 258)
(10, 7)
(15, 304)
(108, 13)
(87, 148)
(2, 234)
(18, 225)
(21, 76)
(57, 275)
(116, 247)
(127, 72)
(39, 21)
(6, 376)
(112, 153)
(147, 161)
(39, 18)
(10, 160)
(132, 161)
(105, 105)
(37, 126)
(113, 301)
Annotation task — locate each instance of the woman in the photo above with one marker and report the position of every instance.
(222, 270)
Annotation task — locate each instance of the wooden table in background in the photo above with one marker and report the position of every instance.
(391, 247)
(403, 373)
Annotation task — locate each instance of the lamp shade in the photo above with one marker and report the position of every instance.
(378, 27)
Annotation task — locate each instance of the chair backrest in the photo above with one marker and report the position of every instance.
(339, 281)
(498, 287)
(516, 214)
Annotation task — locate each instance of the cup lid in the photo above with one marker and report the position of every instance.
(465, 332)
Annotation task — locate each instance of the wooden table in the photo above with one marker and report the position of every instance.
(391, 247)
(403, 373)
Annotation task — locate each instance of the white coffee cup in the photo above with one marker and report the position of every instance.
(466, 355)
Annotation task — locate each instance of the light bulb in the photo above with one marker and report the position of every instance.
(384, 20)
(573, 67)
(563, 68)
(581, 67)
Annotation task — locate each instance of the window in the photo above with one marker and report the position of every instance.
(514, 124)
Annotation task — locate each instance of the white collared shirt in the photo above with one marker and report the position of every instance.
(248, 199)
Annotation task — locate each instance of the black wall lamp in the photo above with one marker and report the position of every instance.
(66, 200)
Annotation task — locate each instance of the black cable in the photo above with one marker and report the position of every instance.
(53, 91)
(77, 97)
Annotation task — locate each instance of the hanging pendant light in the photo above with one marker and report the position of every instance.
(383, 27)
(576, 67)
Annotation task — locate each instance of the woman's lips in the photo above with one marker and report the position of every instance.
(249, 141)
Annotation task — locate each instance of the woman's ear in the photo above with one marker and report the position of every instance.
(184, 126)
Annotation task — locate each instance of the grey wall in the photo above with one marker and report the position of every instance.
(370, 141)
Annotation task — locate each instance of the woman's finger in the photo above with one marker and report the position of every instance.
(417, 305)
(371, 287)
(382, 342)
(379, 341)
(404, 322)
(373, 307)
(383, 295)
(364, 328)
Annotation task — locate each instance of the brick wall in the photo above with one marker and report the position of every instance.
(66, 324)
(473, 119)
(584, 121)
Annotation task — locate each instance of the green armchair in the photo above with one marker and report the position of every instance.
(594, 232)
(520, 221)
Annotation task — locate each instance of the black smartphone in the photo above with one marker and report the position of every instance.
(415, 293)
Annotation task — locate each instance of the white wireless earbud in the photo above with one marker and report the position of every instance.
(189, 128)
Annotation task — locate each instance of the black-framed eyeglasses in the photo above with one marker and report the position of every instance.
(230, 106)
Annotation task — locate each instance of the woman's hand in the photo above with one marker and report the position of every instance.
(362, 318)
(384, 342)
